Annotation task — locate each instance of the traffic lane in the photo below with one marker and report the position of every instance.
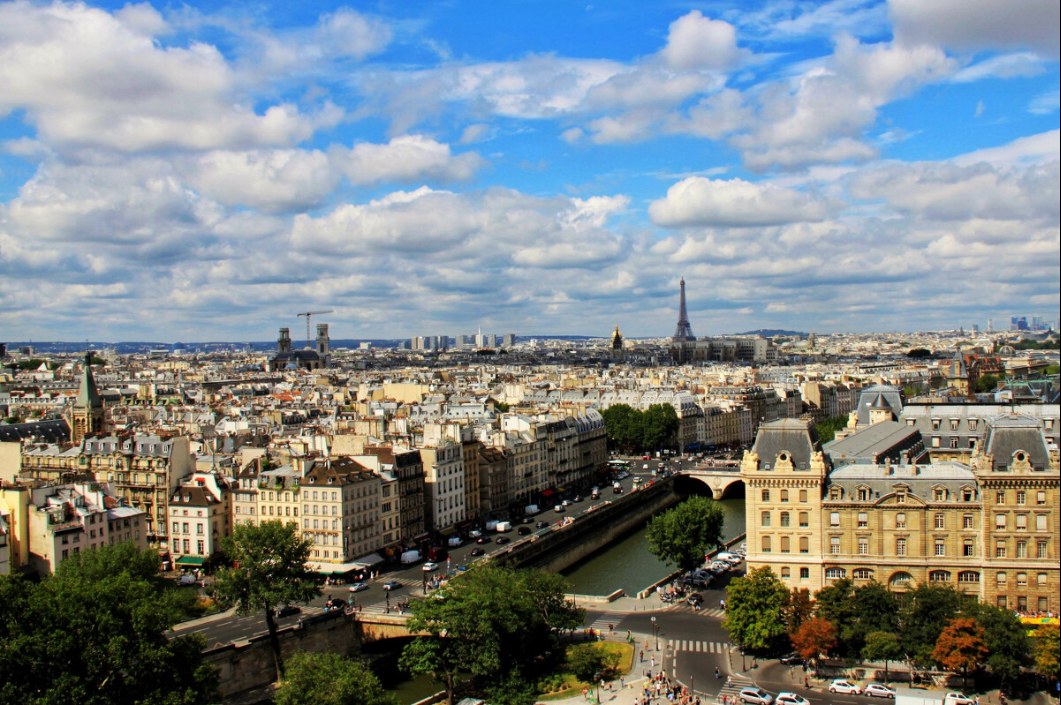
(698, 671)
(240, 627)
(776, 677)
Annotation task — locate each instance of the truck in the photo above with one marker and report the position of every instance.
(503, 526)
(491, 524)
(917, 696)
(410, 557)
(530, 510)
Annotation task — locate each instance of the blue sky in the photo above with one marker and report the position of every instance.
(205, 171)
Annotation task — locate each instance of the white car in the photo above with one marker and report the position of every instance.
(877, 690)
(842, 686)
(790, 699)
(755, 696)
(358, 587)
(957, 699)
(430, 566)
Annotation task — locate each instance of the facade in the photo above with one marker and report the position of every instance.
(86, 413)
(443, 485)
(340, 513)
(989, 527)
(199, 517)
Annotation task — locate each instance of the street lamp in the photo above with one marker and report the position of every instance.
(655, 630)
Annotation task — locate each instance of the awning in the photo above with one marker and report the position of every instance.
(196, 561)
(369, 560)
(334, 568)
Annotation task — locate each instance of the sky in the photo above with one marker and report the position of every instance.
(205, 171)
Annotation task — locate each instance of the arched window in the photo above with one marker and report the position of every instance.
(968, 576)
(835, 573)
(939, 576)
(901, 580)
(862, 574)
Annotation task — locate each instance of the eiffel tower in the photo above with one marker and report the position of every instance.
(683, 331)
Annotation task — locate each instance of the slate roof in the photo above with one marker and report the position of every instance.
(52, 431)
(888, 439)
(790, 435)
(1012, 433)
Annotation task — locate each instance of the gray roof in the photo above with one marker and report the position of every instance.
(872, 397)
(52, 430)
(920, 480)
(887, 439)
(790, 435)
(1012, 433)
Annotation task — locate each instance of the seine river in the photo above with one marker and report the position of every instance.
(624, 565)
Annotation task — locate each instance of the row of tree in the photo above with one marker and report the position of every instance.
(633, 431)
(928, 627)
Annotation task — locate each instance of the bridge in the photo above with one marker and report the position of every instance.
(718, 475)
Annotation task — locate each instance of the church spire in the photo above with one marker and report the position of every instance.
(86, 415)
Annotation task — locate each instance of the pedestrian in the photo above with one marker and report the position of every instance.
(641, 656)
(718, 674)
(585, 693)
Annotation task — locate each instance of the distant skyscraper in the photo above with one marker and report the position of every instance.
(683, 331)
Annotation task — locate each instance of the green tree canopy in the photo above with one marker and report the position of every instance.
(95, 633)
(882, 646)
(926, 611)
(1006, 638)
(321, 678)
(631, 430)
(495, 624)
(1047, 650)
(799, 609)
(268, 570)
(684, 534)
(755, 611)
(659, 427)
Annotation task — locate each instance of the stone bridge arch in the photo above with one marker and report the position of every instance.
(720, 484)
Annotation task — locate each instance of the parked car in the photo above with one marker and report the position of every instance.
(476, 552)
(790, 699)
(430, 566)
(523, 531)
(483, 539)
(878, 691)
(186, 580)
(755, 696)
(502, 539)
(288, 610)
(541, 524)
(391, 585)
(358, 587)
(849, 688)
(792, 660)
(695, 599)
(957, 699)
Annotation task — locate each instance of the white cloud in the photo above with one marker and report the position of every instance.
(732, 203)
(698, 42)
(405, 159)
(273, 180)
(979, 24)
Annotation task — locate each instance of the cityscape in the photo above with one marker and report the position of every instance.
(395, 354)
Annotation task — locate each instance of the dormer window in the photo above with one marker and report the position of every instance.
(864, 494)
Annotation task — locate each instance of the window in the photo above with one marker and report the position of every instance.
(968, 495)
(900, 547)
(935, 441)
(1040, 497)
(834, 545)
(804, 573)
(766, 544)
(900, 520)
(785, 544)
(967, 521)
(953, 441)
(765, 519)
(863, 546)
(939, 576)
(1022, 497)
(1000, 497)
(1040, 522)
(176, 528)
(766, 495)
(1041, 550)
(1022, 579)
(834, 519)
(1000, 522)
(786, 573)
(803, 495)
(1000, 549)
(939, 494)
(968, 576)
(784, 519)
(1022, 549)
(941, 548)
(834, 573)
(862, 574)
(804, 519)
(939, 521)
(1022, 522)
(1001, 602)
(804, 544)
(784, 495)
(863, 520)
(1000, 578)
(1040, 579)
(863, 494)
(935, 424)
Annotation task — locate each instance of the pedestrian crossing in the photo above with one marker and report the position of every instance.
(701, 647)
(730, 692)
(605, 624)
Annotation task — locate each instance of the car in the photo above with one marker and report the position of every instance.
(186, 580)
(475, 533)
(483, 539)
(792, 660)
(566, 503)
(755, 696)
(957, 699)
(462, 567)
(524, 531)
(502, 539)
(335, 603)
(358, 587)
(790, 699)
(578, 498)
(391, 585)
(877, 690)
(288, 610)
(558, 508)
(476, 552)
(695, 599)
(541, 525)
(430, 566)
(847, 687)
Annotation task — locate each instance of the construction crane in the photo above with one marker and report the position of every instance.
(309, 315)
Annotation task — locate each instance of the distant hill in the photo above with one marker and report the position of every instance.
(774, 332)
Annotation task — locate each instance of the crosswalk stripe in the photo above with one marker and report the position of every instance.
(704, 647)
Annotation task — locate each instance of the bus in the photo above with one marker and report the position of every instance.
(619, 464)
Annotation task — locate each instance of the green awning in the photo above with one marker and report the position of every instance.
(196, 561)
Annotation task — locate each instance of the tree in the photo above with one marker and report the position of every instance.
(96, 633)
(683, 534)
(1047, 650)
(623, 425)
(961, 646)
(875, 610)
(926, 611)
(323, 678)
(588, 663)
(268, 570)
(660, 427)
(836, 603)
(755, 610)
(497, 624)
(827, 428)
(1006, 638)
(814, 637)
(799, 609)
(882, 646)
